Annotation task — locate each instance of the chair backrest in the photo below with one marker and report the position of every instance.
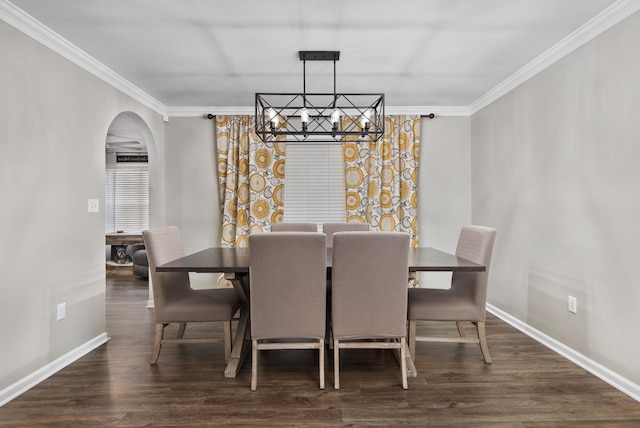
(164, 244)
(369, 284)
(475, 243)
(330, 228)
(288, 285)
(294, 227)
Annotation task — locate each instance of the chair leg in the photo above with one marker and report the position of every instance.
(460, 326)
(158, 342)
(412, 339)
(336, 364)
(321, 363)
(254, 365)
(227, 341)
(403, 362)
(482, 336)
(183, 326)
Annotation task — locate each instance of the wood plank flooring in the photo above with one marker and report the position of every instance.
(526, 386)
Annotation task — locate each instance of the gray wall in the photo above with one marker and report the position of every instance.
(54, 118)
(192, 187)
(445, 187)
(555, 170)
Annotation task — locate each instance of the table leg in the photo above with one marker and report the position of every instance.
(241, 345)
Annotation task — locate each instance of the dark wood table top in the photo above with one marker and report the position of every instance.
(236, 260)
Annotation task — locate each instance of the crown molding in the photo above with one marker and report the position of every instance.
(596, 26)
(33, 28)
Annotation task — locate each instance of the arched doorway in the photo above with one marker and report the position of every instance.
(130, 167)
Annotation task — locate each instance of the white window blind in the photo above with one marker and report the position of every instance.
(127, 198)
(314, 183)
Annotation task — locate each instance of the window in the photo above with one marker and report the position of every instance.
(314, 183)
(127, 197)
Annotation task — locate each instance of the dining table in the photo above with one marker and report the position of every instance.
(234, 264)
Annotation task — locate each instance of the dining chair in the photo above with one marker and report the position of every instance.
(294, 227)
(369, 302)
(464, 302)
(330, 228)
(174, 299)
(287, 288)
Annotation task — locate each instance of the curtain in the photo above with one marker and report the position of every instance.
(250, 179)
(381, 178)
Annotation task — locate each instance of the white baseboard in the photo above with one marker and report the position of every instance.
(622, 384)
(50, 369)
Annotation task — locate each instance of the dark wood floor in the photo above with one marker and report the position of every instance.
(526, 386)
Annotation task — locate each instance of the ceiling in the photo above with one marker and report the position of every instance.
(201, 53)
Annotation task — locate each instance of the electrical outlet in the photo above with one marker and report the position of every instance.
(62, 311)
(573, 304)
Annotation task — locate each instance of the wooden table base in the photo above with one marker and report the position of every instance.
(241, 345)
(241, 342)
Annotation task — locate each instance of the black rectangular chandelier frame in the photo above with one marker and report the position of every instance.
(319, 117)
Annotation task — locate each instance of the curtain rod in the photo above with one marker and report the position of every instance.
(425, 116)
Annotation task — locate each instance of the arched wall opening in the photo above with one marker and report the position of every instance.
(129, 135)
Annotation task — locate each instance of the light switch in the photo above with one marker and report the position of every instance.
(94, 205)
(61, 311)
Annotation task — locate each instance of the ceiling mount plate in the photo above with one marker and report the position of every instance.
(319, 55)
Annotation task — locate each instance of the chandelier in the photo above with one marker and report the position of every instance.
(319, 117)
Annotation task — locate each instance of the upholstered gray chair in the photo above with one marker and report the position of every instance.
(174, 299)
(369, 276)
(464, 301)
(330, 228)
(140, 261)
(287, 286)
(294, 227)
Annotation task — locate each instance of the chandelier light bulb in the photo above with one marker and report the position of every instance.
(335, 116)
(304, 115)
(273, 117)
(366, 119)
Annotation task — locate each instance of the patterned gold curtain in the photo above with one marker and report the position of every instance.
(250, 179)
(381, 178)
